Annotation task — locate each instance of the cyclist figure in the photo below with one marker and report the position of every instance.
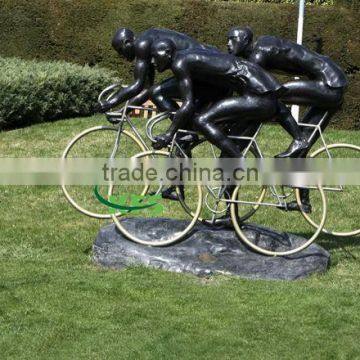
(165, 94)
(324, 89)
(138, 48)
(257, 100)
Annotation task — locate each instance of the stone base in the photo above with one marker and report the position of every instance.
(208, 251)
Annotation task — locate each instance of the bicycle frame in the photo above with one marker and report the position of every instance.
(252, 143)
(122, 118)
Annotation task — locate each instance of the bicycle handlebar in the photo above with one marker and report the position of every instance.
(109, 92)
(117, 115)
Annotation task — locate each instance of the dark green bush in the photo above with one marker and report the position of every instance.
(32, 91)
(80, 30)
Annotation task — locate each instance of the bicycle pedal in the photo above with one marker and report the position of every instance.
(172, 197)
(170, 194)
(223, 223)
(294, 206)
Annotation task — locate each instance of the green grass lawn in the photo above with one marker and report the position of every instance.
(55, 303)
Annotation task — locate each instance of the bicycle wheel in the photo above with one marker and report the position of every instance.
(348, 223)
(154, 229)
(99, 142)
(215, 205)
(282, 245)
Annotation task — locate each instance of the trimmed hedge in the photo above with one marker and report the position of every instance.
(32, 91)
(81, 30)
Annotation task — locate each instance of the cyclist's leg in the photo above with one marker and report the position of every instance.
(313, 116)
(163, 95)
(203, 101)
(313, 93)
(325, 101)
(236, 128)
(289, 124)
(241, 128)
(247, 107)
(316, 94)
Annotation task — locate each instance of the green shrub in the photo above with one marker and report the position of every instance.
(32, 91)
(80, 31)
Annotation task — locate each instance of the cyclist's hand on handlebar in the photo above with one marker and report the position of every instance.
(98, 109)
(162, 141)
(102, 108)
(112, 120)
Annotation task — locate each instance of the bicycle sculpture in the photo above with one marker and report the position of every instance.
(225, 100)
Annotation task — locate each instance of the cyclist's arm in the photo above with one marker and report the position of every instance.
(144, 95)
(140, 75)
(187, 108)
(141, 98)
(151, 76)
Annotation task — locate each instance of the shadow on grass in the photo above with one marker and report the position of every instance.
(331, 242)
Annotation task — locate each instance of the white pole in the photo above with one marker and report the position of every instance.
(295, 109)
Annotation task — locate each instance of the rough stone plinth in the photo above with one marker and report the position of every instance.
(208, 251)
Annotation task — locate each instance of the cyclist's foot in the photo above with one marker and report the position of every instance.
(295, 148)
(188, 138)
(169, 193)
(294, 206)
(224, 222)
